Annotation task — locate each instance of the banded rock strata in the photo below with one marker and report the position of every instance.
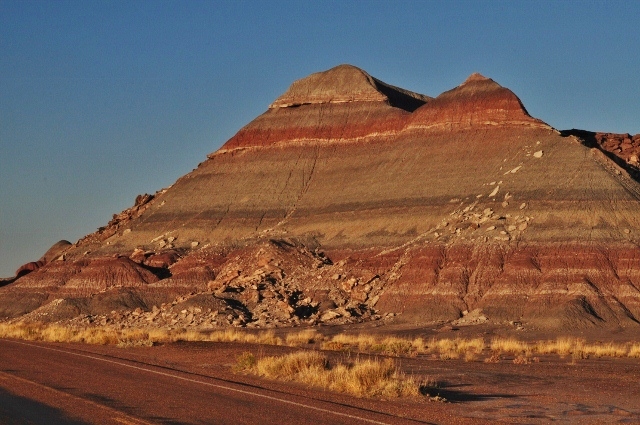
(350, 199)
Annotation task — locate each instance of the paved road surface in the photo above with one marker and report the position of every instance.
(49, 384)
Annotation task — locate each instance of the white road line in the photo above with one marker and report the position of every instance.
(224, 387)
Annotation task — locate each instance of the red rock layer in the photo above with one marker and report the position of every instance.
(346, 104)
(548, 285)
(343, 103)
(318, 122)
(624, 146)
(477, 102)
(88, 276)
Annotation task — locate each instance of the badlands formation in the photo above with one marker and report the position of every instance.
(351, 200)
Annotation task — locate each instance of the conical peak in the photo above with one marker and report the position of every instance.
(478, 85)
(476, 77)
(478, 101)
(343, 83)
(346, 83)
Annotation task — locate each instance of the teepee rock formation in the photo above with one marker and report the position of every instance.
(349, 199)
(477, 102)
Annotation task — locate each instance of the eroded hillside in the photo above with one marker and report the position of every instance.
(353, 200)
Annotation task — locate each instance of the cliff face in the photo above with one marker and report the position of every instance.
(350, 199)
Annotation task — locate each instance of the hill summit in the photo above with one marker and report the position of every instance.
(346, 83)
(352, 200)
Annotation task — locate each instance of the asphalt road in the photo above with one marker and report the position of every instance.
(52, 384)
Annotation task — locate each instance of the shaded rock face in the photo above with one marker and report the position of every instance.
(352, 200)
(623, 149)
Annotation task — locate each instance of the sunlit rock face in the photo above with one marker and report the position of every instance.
(350, 199)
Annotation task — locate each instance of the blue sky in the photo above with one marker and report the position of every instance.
(104, 100)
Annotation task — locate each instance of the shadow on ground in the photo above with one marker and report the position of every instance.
(16, 410)
(446, 391)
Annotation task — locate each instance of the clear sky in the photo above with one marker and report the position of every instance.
(104, 100)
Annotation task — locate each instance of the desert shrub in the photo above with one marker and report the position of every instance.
(289, 366)
(245, 361)
(521, 359)
(334, 346)
(362, 378)
(494, 358)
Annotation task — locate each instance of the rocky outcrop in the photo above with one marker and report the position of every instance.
(120, 221)
(350, 200)
(55, 252)
(622, 149)
(28, 268)
(624, 146)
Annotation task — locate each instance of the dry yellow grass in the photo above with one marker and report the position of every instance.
(580, 349)
(509, 345)
(394, 346)
(562, 346)
(234, 335)
(469, 349)
(307, 336)
(634, 350)
(245, 361)
(361, 342)
(445, 348)
(609, 349)
(127, 337)
(362, 378)
(58, 333)
(475, 345)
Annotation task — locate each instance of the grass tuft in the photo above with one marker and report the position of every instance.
(634, 350)
(307, 336)
(509, 346)
(245, 361)
(362, 378)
